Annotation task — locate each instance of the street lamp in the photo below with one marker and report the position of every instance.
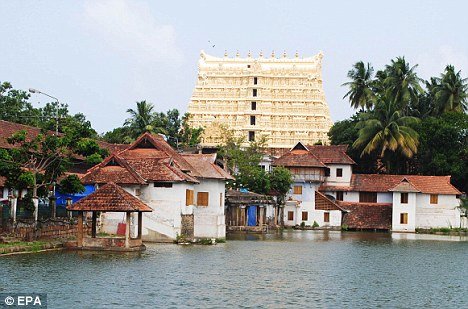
(32, 90)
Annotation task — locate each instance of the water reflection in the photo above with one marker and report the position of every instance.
(296, 268)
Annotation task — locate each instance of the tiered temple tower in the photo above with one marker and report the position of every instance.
(281, 98)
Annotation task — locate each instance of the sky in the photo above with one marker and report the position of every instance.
(100, 57)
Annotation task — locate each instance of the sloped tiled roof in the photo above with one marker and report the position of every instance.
(399, 183)
(324, 203)
(205, 167)
(298, 158)
(110, 197)
(314, 156)
(367, 216)
(334, 154)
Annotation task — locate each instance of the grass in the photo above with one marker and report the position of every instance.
(444, 230)
(33, 246)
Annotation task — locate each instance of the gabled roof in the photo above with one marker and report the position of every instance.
(113, 169)
(298, 158)
(404, 186)
(205, 167)
(110, 197)
(334, 154)
(314, 156)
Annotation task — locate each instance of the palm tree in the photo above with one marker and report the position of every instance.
(402, 83)
(451, 91)
(140, 119)
(360, 87)
(386, 130)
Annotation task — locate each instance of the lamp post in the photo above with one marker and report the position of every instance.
(32, 90)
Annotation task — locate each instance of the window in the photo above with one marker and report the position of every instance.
(326, 217)
(297, 190)
(137, 192)
(248, 66)
(434, 199)
(339, 172)
(163, 184)
(188, 197)
(254, 106)
(404, 198)
(251, 136)
(255, 80)
(404, 218)
(367, 197)
(327, 172)
(263, 167)
(202, 199)
(305, 216)
(339, 195)
(221, 199)
(252, 120)
(254, 92)
(290, 215)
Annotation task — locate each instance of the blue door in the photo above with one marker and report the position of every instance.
(251, 215)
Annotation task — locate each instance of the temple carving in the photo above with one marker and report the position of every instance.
(279, 98)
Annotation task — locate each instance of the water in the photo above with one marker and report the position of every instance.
(313, 269)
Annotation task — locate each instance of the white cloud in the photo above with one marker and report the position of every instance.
(129, 27)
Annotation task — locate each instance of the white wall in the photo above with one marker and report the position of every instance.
(443, 214)
(333, 180)
(399, 208)
(209, 222)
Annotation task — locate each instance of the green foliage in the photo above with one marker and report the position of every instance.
(361, 86)
(280, 182)
(315, 224)
(71, 185)
(303, 224)
(450, 91)
(344, 227)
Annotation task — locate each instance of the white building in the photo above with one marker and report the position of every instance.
(368, 201)
(186, 192)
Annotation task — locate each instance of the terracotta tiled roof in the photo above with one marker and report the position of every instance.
(384, 183)
(404, 186)
(234, 197)
(335, 188)
(324, 203)
(205, 167)
(367, 215)
(335, 154)
(298, 158)
(110, 197)
(113, 169)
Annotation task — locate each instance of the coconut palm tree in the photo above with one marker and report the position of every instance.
(386, 130)
(360, 87)
(402, 83)
(140, 119)
(451, 91)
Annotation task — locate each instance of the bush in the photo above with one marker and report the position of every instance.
(315, 224)
(302, 224)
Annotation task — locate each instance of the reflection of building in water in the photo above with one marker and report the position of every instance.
(280, 98)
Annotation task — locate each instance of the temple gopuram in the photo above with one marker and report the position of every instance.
(280, 98)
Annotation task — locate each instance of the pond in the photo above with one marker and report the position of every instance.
(318, 269)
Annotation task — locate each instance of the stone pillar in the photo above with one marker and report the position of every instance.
(140, 224)
(68, 203)
(13, 203)
(260, 217)
(53, 206)
(93, 228)
(79, 236)
(127, 230)
(35, 201)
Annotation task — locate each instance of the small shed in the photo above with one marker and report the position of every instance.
(109, 198)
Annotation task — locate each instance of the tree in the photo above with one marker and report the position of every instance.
(386, 130)
(360, 87)
(141, 119)
(402, 84)
(451, 91)
(71, 185)
(280, 182)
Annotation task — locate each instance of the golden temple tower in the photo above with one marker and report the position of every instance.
(280, 98)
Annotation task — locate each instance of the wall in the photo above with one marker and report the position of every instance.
(443, 214)
(57, 229)
(398, 208)
(333, 180)
(209, 222)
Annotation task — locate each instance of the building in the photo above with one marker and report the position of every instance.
(367, 201)
(280, 98)
(186, 192)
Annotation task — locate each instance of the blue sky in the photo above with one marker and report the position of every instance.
(101, 57)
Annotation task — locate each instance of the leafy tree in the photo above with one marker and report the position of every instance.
(360, 92)
(402, 84)
(120, 135)
(71, 185)
(280, 182)
(451, 91)
(386, 130)
(140, 119)
(14, 105)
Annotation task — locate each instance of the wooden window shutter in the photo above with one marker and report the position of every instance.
(188, 197)
(297, 189)
(202, 199)
(326, 217)
(434, 198)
